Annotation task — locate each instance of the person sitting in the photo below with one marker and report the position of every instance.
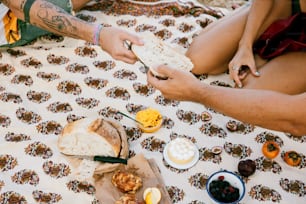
(272, 91)
(25, 20)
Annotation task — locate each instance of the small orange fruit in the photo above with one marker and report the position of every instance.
(292, 158)
(270, 149)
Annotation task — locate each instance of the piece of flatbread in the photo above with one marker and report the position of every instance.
(156, 52)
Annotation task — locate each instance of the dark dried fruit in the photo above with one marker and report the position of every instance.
(246, 167)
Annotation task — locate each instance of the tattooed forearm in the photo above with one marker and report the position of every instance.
(57, 20)
(5, 2)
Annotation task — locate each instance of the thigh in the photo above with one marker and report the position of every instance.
(212, 50)
(285, 73)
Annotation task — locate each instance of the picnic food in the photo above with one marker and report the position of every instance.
(181, 151)
(128, 198)
(155, 52)
(223, 191)
(150, 119)
(292, 158)
(152, 195)
(126, 182)
(90, 137)
(270, 149)
(246, 167)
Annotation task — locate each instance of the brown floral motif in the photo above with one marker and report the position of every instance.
(16, 53)
(1, 184)
(12, 197)
(188, 116)
(95, 83)
(0, 55)
(59, 107)
(28, 117)
(13, 137)
(145, 27)
(5, 121)
(300, 139)
(53, 38)
(69, 87)
(201, 77)
(184, 27)
(26, 176)
(6, 69)
(175, 194)
(167, 123)
(220, 83)
(56, 170)
(174, 135)
(72, 118)
(57, 60)
(213, 130)
(163, 34)
(132, 133)
(237, 150)
(49, 127)
(206, 116)
(2, 88)
(133, 108)
(125, 74)
(198, 180)
(31, 62)
(204, 23)
(208, 155)
(295, 187)
(303, 159)
(143, 89)
(105, 65)
(87, 18)
(264, 193)
(167, 22)
(182, 42)
(40, 47)
(178, 171)
(10, 97)
(42, 197)
(38, 149)
(88, 103)
(239, 127)
(118, 92)
(77, 68)
(265, 164)
(268, 136)
(86, 51)
(81, 186)
(126, 23)
(153, 144)
(38, 97)
(110, 112)
(7, 162)
(22, 79)
(161, 100)
(47, 76)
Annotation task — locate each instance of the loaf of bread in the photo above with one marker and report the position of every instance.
(156, 52)
(90, 137)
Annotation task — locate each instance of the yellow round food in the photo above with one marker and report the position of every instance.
(152, 195)
(150, 119)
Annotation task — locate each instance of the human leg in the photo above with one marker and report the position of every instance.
(285, 73)
(212, 50)
(78, 4)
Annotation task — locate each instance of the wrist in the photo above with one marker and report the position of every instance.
(96, 34)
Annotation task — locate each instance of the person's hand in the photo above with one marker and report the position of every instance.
(241, 64)
(172, 87)
(112, 40)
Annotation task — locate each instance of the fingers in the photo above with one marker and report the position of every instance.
(234, 73)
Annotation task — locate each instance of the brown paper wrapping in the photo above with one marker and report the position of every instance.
(107, 193)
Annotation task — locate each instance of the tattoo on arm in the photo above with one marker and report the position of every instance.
(57, 19)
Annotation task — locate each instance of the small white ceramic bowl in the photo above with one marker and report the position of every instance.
(232, 178)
